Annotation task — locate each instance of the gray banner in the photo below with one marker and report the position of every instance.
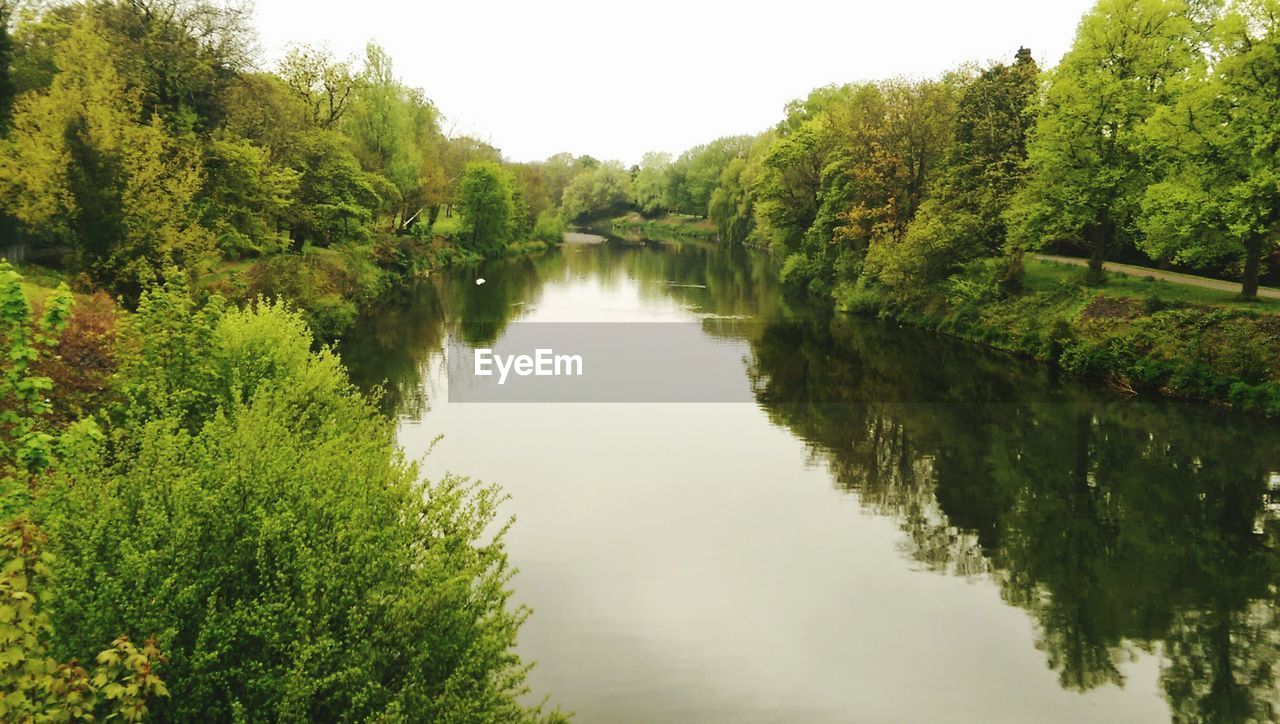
(603, 362)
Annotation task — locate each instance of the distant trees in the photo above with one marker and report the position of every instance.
(140, 139)
(1151, 136)
(598, 192)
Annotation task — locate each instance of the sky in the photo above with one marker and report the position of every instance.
(616, 79)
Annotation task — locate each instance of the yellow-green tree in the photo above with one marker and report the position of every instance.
(1219, 198)
(82, 167)
(1087, 170)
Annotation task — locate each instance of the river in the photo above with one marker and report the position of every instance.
(896, 527)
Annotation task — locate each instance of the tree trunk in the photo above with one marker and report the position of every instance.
(1252, 267)
(1097, 249)
(1097, 236)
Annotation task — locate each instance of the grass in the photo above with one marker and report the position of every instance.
(1047, 275)
(678, 225)
(446, 225)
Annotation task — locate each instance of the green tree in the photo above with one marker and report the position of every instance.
(487, 207)
(387, 124)
(601, 191)
(732, 203)
(649, 186)
(324, 86)
(336, 199)
(245, 197)
(691, 178)
(1220, 196)
(1087, 170)
(177, 56)
(8, 91)
(962, 219)
(81, 166)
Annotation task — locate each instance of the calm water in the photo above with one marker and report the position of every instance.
(900, 528)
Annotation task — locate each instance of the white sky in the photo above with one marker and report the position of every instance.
(616, 79)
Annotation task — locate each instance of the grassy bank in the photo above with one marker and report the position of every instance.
(1139, 336)
(675, 226)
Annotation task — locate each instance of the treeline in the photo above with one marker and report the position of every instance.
(139, 136)
(1154, 139)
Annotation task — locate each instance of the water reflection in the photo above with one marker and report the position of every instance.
(1122, 528)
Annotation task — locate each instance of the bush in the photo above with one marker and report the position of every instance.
(252, 509)
(327, 285)
(549, 228)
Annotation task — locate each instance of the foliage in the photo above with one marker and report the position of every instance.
(336, 199)
(34, 687)
(961, 220)
(597, 193)
(83, 167)
(26, 445)
(549, 228)
(246, 198)
(1220, 196)
(8, 90)
(487, 207)
(310, 578)
(692, 178)
(1088, 164)
(649, 188)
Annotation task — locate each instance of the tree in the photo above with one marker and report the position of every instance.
(1220, 195)
(336, 199)
(732, 204)
(598, 192)
(487, 207)
(649, 186)
(325, 86)
(383, 124)
(963, 217)
(8, 92)
(1087, 170)
(82, 167)
(178, 55)
(455, 153)
(245, 197)
(693, 176)
(850, 175)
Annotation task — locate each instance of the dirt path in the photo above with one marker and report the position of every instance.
(1167, 276)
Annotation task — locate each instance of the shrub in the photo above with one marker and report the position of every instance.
(253, 510)
(549, 228)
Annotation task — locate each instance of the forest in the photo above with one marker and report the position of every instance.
(189, 230)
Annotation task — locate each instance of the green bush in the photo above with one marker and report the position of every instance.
(549, 228)
(252, 510)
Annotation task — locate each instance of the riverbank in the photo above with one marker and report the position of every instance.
(673, 226)
(1137, 336)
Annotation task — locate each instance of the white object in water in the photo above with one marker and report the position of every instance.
(480, 281)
